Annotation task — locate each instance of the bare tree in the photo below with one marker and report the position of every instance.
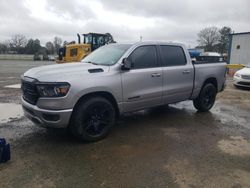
(57, 43)
(208, 37)
(18, 41)
(50, 47)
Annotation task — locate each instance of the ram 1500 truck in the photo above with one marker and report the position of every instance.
(87, 97)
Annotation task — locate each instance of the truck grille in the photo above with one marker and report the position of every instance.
(30, 93)
(247, 77)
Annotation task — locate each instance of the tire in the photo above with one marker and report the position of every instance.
(205, 101)
(92, 119)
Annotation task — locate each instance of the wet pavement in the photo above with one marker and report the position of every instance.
(171, 146)
(10, 111)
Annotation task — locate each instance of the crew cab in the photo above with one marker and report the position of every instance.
(88, 97)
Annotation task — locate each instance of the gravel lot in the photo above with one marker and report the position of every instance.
(172, 146)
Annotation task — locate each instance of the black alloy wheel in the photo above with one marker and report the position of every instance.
(206, 98)
(92, 119)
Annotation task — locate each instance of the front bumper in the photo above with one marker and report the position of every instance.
(238, 81)
(47, 118)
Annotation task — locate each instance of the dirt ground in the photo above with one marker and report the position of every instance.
(170, 146)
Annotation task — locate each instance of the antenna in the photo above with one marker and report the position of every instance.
(140, 38)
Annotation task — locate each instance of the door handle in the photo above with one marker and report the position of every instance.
(155, 75)
(186, 72)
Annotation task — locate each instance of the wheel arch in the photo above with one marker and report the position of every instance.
(107, 95)
(213, 81)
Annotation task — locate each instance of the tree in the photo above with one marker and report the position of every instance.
(18, 43)
(50, 47)
(224, 39)
(29, 47)
(33, 46)
(57, 43)
(208, 37)
(3, 48)
(65, 43)
(36, 45)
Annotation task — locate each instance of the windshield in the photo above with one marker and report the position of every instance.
(107, 55)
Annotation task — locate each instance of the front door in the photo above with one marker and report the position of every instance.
(142, 84)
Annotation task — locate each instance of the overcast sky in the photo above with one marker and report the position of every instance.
(168, 20)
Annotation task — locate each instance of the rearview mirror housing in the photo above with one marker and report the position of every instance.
(126, 64)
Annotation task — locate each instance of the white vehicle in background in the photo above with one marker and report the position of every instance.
(210, 54)
(52, 58)
(242, 77)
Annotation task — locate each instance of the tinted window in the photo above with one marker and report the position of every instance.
(73, 52)
(143, 57)
(172, 55)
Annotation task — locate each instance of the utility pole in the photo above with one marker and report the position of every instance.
(140, 38)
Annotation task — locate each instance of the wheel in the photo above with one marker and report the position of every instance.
(92, 119)
(206, 98)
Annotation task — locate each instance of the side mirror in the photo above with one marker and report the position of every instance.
(126, 64)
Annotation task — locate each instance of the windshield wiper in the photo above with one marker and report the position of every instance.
(91, 62)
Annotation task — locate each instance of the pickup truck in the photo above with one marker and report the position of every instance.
(88, 97)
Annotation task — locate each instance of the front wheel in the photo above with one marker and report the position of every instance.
(205, 101)
(92, 119)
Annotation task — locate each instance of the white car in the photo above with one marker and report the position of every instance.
(242, 77)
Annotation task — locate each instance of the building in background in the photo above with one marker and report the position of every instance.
(239, 48)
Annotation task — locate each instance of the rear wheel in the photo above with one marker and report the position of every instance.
(92, 119)
(206, 98)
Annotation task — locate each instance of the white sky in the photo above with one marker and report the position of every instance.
(168, 20)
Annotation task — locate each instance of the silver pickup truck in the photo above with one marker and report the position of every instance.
(87, 97)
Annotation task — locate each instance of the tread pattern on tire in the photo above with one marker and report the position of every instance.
(75, 125)
(198, 101)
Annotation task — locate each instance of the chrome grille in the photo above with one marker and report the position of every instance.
(29, 90)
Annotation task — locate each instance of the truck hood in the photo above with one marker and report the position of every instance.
(63, 72)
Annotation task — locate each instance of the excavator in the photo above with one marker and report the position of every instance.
(73, 52)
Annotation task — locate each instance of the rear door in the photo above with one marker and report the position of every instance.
(178, 74)
(142, 84)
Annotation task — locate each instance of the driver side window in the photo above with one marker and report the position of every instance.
(143, 57)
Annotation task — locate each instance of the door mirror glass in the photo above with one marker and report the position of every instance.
(126, 64)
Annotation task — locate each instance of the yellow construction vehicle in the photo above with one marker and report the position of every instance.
(73, 52)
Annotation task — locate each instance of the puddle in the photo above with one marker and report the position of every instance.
(10, 111)
(236, 145)
(231, 115)
(14, 86)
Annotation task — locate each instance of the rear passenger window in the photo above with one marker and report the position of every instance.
(172, 56)
(143, 57)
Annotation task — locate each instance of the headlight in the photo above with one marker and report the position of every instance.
(237, 75)
(53, 89)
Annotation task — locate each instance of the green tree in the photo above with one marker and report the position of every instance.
(224, 39)
(36, 45)
(3, 48)
(29, 47)
(33, 46)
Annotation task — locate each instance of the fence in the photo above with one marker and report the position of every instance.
(16, 57)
